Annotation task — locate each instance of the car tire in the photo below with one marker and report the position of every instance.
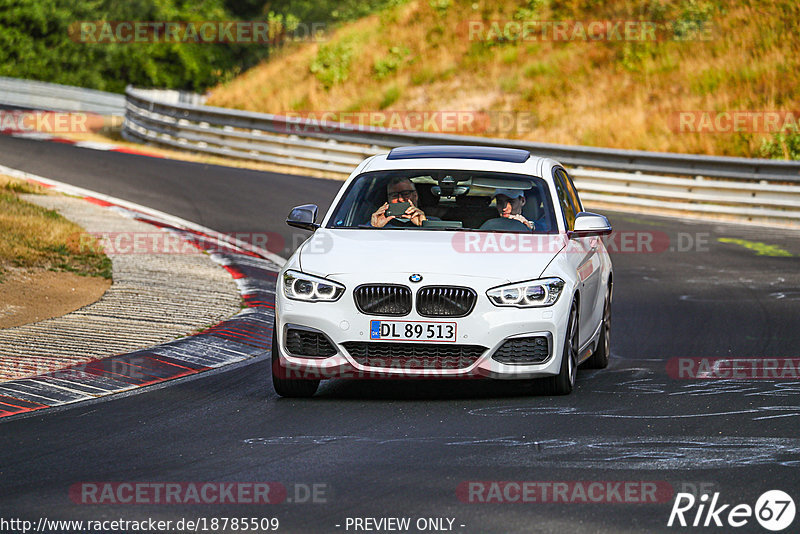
(564, 382)
(600, 356)
(288, 387)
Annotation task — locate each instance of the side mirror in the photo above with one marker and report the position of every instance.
(590, 224)
(303, 217)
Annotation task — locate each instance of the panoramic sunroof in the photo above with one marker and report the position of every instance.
(510, 155)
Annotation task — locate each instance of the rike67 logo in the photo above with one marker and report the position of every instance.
(774, 510)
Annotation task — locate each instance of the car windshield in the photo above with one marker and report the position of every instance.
(450, 200)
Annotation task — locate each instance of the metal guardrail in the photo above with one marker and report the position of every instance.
(745, 200)
(29, 94)
(743, 188)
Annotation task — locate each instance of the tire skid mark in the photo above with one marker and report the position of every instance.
(579, 452)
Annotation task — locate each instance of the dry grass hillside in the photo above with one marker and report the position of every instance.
(423, 55)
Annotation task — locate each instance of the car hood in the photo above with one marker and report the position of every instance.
(488, 255)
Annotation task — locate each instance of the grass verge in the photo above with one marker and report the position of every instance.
(32, 237)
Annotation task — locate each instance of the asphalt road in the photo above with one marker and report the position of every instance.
(404, 448)
(223, 198)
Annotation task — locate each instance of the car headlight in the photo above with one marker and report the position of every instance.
(532, 294)
(301, 286)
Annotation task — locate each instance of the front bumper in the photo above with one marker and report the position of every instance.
(486, 326)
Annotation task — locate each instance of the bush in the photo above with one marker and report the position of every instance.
(783, 145)
(35, 40)
(332, 63)
(693, 21)
(36, 43)
(385, 66)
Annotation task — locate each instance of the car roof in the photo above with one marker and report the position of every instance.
(511, 155)
(466, 157)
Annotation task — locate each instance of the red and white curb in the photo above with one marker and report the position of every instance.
(93, 145)
(244, 336)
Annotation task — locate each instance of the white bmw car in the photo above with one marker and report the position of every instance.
(446, 262)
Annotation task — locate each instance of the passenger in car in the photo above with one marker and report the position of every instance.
(509, 208)
(399, 189)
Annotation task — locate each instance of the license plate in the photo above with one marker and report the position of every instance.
(412, 330)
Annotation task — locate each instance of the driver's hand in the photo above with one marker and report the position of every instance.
(416, 215)
(379, 218)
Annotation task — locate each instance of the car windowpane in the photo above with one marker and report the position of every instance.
(573, 193)
(563, 198)
(451, 199)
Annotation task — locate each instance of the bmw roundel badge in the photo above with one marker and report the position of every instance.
(415, 277)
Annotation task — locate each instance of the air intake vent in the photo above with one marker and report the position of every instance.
(523, 350)
(395, 355)
(308, 343)
(383, 299)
